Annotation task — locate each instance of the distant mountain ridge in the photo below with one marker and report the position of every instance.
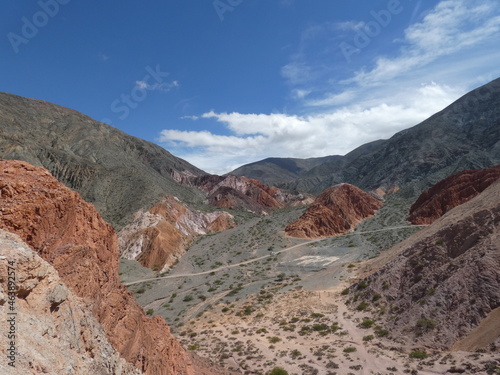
(464, 135)
(280, 171)
(118, 173)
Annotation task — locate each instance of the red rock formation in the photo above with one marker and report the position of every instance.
(442, 284)
(336, 210)
(234, 192)
(158, 237)
(451, 192)
(70, 234)
(221, 223)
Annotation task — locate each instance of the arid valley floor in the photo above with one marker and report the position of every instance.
(258, 299)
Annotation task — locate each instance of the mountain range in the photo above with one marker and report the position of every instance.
(252, 240)
(464, 135)
(118, 173)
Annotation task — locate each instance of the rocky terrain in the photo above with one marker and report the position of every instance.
(336, 210)
(157, 238)
(302, 174)
(441, 284)
(251, 298)
(359, 290)
(56, 332)
(465, 135)
(118, 173)
(242, 193)
(70, 235)
(276, 170)
(451, 192)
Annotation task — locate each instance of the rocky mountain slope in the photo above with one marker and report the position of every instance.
(118, 173)
(70, 235)
(234, 192)
(443, 282)
(451, 192)
(336, 210)
(465, 135)
(56, 333)
(157, 238)
(291, 171)
(277, 170)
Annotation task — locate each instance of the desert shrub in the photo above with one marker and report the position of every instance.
(349, 349)
(367, 323)
(319, 327)
(248, 310)
(281, 276)
(150, 312)
(317, 315)
(362, 284)
(424, 324)
(380, 332)
(335, 327)
(274, 339)
(305, 330)
(332, 365)
(362, 306)
(418, 354)
(278, 371)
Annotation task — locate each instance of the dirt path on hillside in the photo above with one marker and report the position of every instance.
(223, 268)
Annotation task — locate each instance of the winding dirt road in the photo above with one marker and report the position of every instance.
(222, 268)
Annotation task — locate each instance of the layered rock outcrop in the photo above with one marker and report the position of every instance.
(451, 192)
(234, 192)
(158, 237)
(336, 210)
(70, 235)
(441, 283)
(54, 331)
(116, 172)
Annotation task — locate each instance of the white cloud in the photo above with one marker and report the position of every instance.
(258, 136)
(454, 44)
(158, 86)
(452, 26)
(300, 93)
(334, 99)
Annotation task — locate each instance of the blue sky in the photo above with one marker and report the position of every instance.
(227, 82)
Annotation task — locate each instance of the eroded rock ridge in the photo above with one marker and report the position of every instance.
(336, 210)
